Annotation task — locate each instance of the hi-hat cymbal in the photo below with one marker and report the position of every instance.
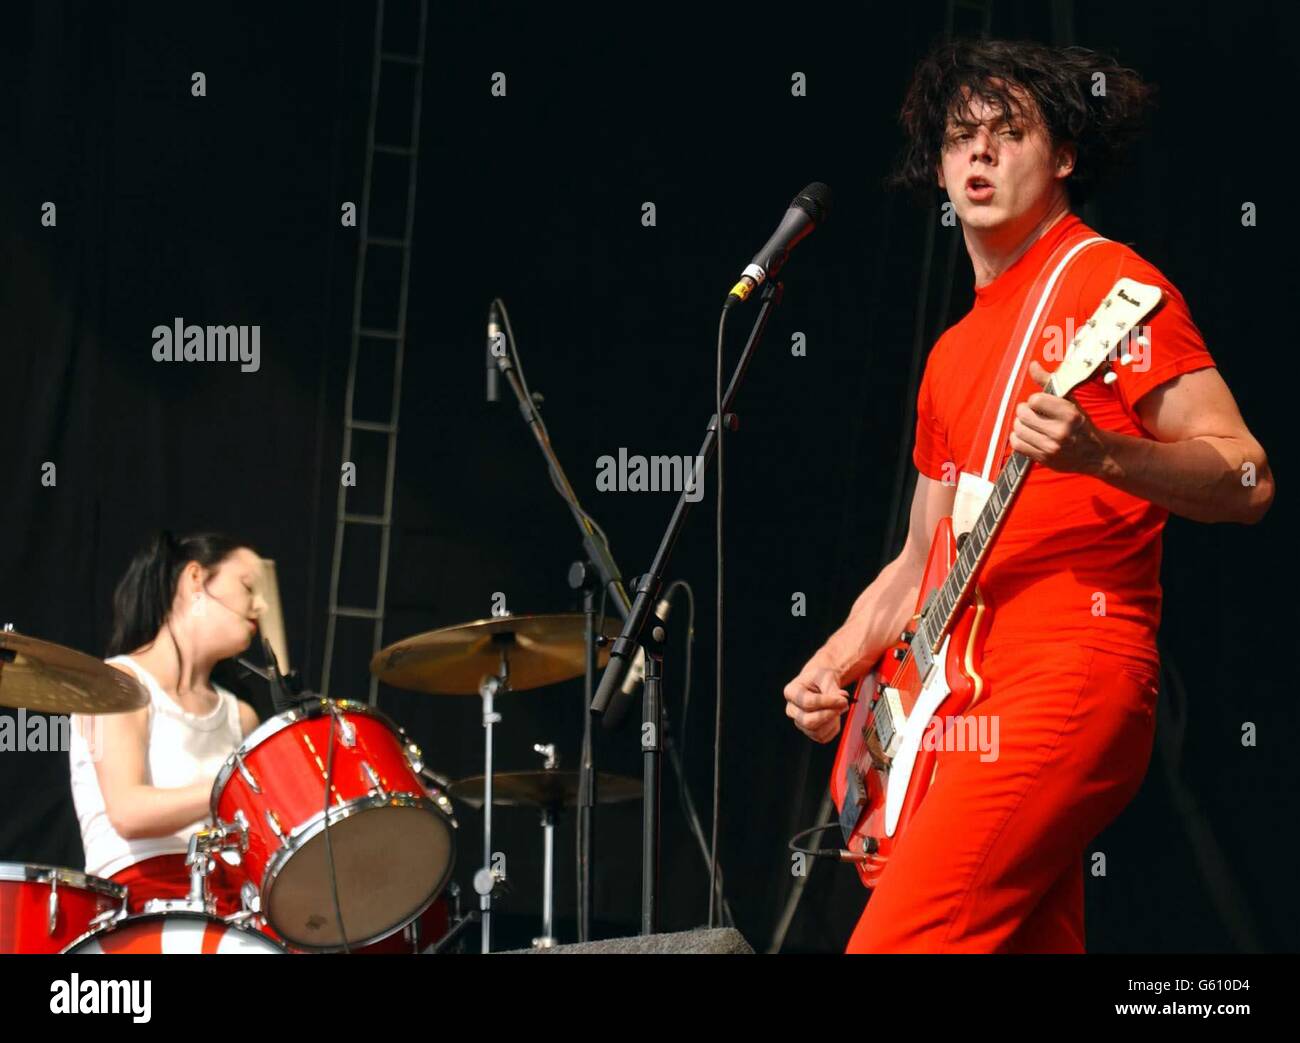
(49, 678)
(541, 650)
(543, 789)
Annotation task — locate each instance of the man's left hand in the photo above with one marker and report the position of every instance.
(1055, 432)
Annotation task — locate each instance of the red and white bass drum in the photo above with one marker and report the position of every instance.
(190, 933)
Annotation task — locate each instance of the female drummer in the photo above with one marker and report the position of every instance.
(142, 781)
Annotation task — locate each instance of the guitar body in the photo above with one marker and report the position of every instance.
(879, 781)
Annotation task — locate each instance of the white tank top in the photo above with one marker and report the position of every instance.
(183, 748)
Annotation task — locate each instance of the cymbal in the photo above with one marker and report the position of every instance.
(542, 789)
(49, 678)
(541, 650)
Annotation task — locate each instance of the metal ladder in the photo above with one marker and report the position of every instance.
(396, 335)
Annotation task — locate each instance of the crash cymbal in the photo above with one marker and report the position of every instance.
(49, 678)
(543, 789)
(542, 650)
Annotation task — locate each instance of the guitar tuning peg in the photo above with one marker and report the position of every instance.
(1110, 377)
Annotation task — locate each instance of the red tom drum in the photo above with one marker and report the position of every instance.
(392, 844)
(44, 908)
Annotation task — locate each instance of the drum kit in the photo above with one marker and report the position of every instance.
(340, 836)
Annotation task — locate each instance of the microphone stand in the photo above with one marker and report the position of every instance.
(606, 577)
(284, 690)
(623, 649)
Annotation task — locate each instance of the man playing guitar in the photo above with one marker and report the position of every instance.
(992, 859)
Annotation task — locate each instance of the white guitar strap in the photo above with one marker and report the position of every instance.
(973, 488)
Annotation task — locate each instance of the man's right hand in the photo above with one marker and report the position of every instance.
(815, 701)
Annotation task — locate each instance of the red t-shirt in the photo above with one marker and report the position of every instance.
(1077, 560)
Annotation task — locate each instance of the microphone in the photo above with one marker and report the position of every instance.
(807, 210)
(493, 332)
(281, 699)
(636, 673)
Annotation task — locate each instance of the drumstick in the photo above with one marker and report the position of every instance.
(272, 621)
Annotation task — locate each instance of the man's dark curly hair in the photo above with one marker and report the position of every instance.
(1061, 81)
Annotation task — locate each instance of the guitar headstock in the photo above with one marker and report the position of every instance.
(1098, 340)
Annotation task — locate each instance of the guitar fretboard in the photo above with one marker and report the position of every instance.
(942, 609)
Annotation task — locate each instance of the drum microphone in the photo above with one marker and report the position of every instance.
(281, 698)
(807, 210)
(636, 673)
(493, 332)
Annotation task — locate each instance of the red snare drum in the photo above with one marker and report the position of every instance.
(43, 908)
(152, 934)
(393, 844)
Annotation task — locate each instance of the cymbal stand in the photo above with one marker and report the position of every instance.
(549, 815)
(489, 877)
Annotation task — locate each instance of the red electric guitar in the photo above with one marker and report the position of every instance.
(883, 768)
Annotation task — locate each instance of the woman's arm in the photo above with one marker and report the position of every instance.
(135, 808)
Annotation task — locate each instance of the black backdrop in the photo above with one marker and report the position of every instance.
(225, 209)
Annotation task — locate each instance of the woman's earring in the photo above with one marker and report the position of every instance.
(196, 606)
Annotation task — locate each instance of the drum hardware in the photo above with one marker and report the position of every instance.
(152, 906)
(347, 733)
(489, 877)
(440, 782)
(376, 787)
(547, 939)
(204, 846)
(460, 923)
(251, 913)
(52, 913)
(248, 775)
(550, 791)
(53, 909)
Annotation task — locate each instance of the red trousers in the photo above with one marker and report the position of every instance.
(993, 859)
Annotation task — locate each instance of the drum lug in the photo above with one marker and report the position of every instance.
(415, 757)
(376, 786)
(347, 730)
(274, 823)
(247, 775)
(53, 906)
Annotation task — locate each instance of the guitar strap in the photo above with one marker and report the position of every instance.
(990, 447)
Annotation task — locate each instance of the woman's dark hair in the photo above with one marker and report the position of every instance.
(144, 595)
(1100, 114)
